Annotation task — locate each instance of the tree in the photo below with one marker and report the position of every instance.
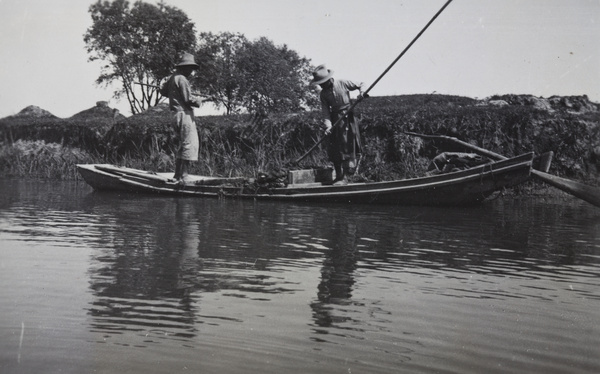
(138, 44)
(274, 78)
(219, 75)
(256, 76)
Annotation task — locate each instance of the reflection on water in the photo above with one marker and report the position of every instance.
(337, 274)
(271, 287)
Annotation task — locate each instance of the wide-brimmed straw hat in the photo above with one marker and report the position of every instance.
(321, 75)
(187, 60)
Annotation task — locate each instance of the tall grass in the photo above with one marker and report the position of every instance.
(36, 158)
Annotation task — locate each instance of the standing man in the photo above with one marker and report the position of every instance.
(181, 101)
(344, 138)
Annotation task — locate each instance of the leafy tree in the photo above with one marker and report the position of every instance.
(274, 78)
(138, 44)
(256, 76)
(219, 75)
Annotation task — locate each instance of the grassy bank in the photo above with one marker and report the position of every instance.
(243, 145)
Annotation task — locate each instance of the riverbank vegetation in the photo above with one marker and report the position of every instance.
(35, 143)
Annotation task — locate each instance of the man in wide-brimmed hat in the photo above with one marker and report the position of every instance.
(177, 88)
(344, 138)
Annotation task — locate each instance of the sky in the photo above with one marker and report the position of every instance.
(475, 48)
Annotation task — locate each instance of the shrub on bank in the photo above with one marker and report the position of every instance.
(509, 130)
(243, 145)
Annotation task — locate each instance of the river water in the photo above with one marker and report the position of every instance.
(122, 283)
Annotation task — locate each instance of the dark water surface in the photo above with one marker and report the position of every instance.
(119, 283)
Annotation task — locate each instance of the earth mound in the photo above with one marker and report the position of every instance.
(100, 111)
(33, 111)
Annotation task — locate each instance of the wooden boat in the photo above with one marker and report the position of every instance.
(468, 186)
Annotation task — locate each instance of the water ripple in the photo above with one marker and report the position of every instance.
(207, 285)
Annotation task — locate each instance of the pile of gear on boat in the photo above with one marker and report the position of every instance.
(445, 162)
(448, 162)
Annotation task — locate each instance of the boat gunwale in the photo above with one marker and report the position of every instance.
(299, 192)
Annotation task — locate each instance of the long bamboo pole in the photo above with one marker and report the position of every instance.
(377, 80)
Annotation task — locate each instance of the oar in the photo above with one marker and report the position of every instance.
(365, 93)
(588, 193)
